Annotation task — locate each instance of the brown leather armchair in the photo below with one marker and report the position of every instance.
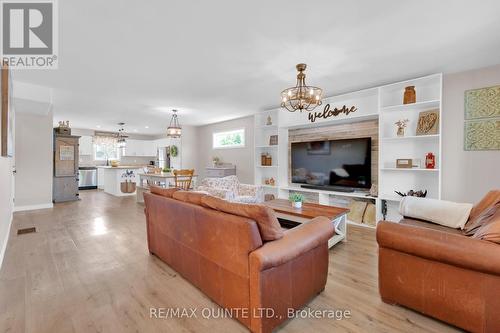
(225, 256)
(441, 273)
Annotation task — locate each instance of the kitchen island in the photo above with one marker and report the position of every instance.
(121, 180)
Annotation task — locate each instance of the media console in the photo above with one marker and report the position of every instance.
(330, 188)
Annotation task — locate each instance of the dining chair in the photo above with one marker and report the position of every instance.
(183, 178)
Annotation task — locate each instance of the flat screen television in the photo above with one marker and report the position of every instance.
(334, 164)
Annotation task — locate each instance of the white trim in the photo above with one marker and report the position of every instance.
(5, 241)
(33, 207)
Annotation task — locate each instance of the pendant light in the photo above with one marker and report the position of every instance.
(174, 130)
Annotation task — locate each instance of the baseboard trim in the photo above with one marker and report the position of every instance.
(5, 241)
(33, 207)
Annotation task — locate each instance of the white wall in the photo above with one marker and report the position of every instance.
(189, 147)
(467, 175)
(243, 158)
(33, 146)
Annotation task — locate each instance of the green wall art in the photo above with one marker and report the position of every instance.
(482, 119)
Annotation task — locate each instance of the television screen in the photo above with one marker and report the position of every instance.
(345, 163)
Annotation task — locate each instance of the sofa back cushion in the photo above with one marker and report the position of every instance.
(267, 222)
(490, 230)
(490, 199)
(189, 196)
(164, 192)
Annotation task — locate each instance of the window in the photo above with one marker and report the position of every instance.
(231, 139)
(105, 148)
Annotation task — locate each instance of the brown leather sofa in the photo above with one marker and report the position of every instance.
(440, 272)
(225, 256)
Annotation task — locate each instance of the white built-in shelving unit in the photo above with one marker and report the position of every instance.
(384, 103)
(392, 147)
(262, 136)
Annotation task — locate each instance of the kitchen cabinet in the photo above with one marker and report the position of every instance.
(86, 145)
(140, 148)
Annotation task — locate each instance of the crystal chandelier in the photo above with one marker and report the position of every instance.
(121, 142)
(301, 97)
(174, 129)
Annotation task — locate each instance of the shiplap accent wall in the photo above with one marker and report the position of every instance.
(361, 129)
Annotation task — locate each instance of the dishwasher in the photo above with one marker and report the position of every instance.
(87, 178)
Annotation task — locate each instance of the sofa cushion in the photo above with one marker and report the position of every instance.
(490, 199)
(165, 192)
(429, 225)
(189, 196)
(490, 230)
(267, 222)
(480, 220)
(446, 213)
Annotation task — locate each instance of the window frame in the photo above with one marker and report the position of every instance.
(216, 134)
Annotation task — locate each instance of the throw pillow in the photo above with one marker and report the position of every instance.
(446, 213)
(490, 231)
(165, 192)
(189, 196)
(485, 217)
(267, 222)
(490, 199)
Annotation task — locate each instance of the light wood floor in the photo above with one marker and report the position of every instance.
(87, 269)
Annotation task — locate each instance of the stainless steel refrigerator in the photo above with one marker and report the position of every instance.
(163, 157)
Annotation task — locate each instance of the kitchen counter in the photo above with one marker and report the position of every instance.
(122, 167)
(117, 182)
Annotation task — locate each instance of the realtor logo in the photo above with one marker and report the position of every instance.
(29, 34)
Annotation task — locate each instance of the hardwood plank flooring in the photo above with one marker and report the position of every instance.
(87, 269)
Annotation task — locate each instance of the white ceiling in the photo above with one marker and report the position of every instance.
(133, 61)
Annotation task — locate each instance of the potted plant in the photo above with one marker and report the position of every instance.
(296, 199)
(215, 161)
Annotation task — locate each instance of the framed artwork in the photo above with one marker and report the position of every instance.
(7, 114)
(67, 153)
(428, 122)
(318, 148)
(482, 119)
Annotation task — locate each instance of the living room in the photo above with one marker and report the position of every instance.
(204, 166)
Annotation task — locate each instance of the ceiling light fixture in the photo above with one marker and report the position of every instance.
(301, 97)
(122, 143)
(174, 130)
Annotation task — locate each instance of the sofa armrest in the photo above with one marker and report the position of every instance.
(452, 249)
(295, 242)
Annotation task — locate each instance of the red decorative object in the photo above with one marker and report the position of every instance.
(430, 161)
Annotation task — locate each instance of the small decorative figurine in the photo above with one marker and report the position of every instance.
(269, 121)
(401, 124)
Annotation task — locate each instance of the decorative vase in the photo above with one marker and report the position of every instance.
(297, 204)
(410, 96)
(401, 131)
(269, 121)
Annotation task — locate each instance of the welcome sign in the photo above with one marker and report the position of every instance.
(328, 112)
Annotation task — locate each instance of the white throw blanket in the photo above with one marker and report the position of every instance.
(446, 213)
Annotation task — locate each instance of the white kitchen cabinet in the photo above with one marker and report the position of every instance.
(140, 148)
(85, 145)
